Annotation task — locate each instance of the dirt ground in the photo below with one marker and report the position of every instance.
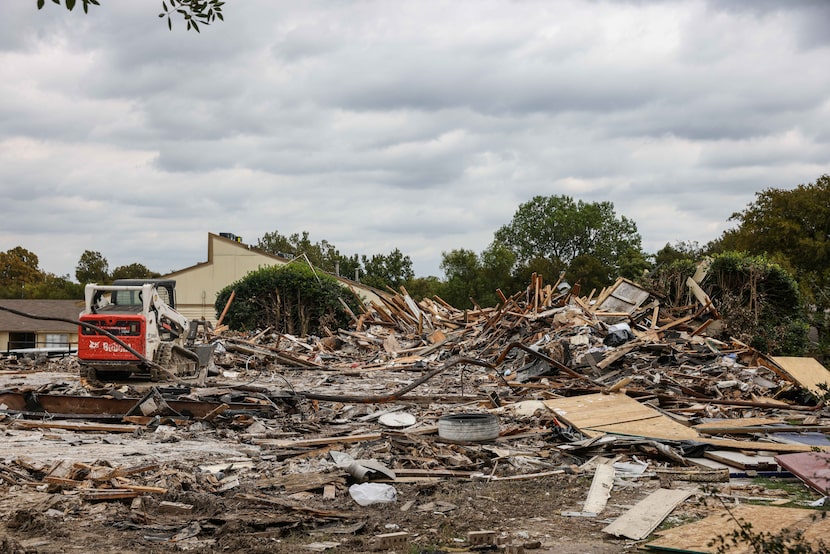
(45, 523)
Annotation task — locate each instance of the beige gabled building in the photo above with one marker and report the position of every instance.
(228, 260)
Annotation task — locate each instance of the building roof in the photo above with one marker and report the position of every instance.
(278, 260)
(65, 309)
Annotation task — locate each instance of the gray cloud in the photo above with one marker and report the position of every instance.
(380, 125)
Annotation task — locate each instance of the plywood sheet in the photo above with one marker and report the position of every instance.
(658, 427)
(618, 414)
(638, 522)
(807, 372)
(694, 537)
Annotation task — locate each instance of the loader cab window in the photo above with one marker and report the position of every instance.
(127, 298)
(119, 302)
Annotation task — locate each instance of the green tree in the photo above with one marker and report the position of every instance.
(681, 250)
(495, 273)
(19, 273)
(792, 226)
(424, 287)
(92, 268)
(278, 245)
(792, 229)
(632, 264)
(290, 299)
(548, 268)
(54, 287)
(589, 272)
(193, 12)
(321, 254)
(133, 271)
(560, 229)
(461, 268)
(393, 270)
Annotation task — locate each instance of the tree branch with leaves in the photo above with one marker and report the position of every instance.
(195, 13)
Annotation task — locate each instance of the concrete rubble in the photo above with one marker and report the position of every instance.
(604, 409)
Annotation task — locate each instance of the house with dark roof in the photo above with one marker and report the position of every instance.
(18, 332)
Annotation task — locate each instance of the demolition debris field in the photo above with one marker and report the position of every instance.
(620, 424)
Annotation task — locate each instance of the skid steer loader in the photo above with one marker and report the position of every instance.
(141, 314)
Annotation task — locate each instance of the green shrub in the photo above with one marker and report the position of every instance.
(290, 299)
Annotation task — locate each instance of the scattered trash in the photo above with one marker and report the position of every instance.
(366, 494)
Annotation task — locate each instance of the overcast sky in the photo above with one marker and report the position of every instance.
(418, 125)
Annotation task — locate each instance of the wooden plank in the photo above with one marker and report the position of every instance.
(770, 429)
(764, 446)
(657, 427)
(108, 494)
(144, 489)
(741, 460)
(600, 489)
(742, 422)
(807, 372)
(694, 537)
(638, 522)
(701, 296)
(589, 410)
(100, 427)
(323, 441)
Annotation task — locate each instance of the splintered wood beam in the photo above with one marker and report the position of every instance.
(444, 303)
(381, 311)
(99, 427)
(348, 309)
(225, 309)
(654, 315)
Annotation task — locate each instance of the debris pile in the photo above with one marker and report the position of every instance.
(446, 414)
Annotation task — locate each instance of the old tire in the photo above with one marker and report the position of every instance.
(468, 427)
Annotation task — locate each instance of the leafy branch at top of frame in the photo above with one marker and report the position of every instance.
(70, 4)
(194, 12)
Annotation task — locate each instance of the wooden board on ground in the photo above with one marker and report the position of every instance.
(807, 372)
(741, 460)
(762, 446)
(600, 489)
(737, 422)
(595, 414)
(695, 537)
(638, 522)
